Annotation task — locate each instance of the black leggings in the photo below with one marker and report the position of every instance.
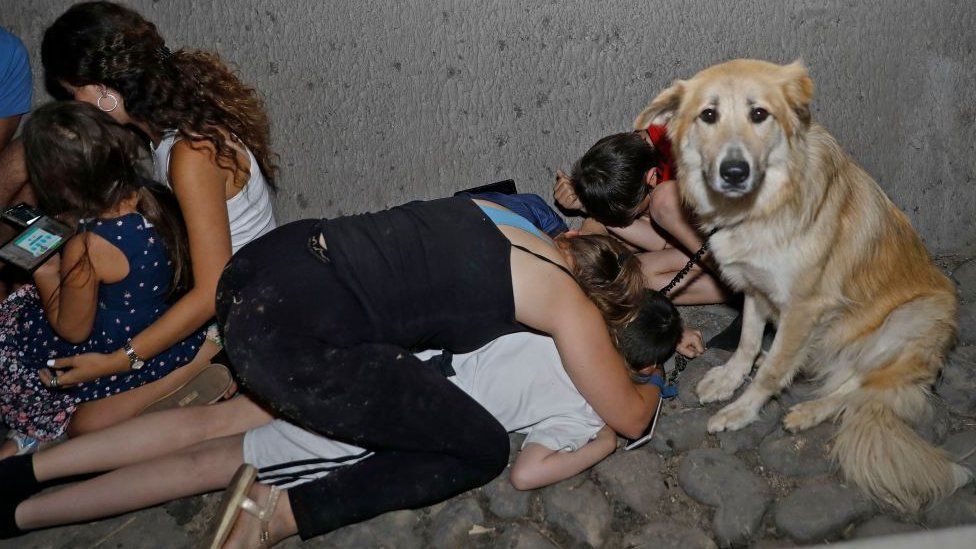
(292, 335)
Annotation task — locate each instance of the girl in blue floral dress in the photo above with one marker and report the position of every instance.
(118, 274)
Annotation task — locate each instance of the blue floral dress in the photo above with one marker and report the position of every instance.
(125, 308)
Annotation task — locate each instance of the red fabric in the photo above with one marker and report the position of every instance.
(659, 136)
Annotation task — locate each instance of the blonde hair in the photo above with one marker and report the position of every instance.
(609, 274)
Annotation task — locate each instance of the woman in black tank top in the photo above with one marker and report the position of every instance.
(320, 319)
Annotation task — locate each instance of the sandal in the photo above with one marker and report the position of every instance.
(235, 500)
(207, 387)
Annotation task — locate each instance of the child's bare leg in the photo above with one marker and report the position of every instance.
(99, 414)
(698, 287)
(669, 213)
(207, 466)
(147, 437)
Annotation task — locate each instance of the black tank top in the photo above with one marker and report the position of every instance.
(429, 275)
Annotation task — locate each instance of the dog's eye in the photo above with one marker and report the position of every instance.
(758, 115)
(709, 116)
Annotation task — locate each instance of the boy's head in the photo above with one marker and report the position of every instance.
(651, 338)
(612, 178)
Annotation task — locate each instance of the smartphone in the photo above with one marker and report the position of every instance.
(21, 215)
(42, 238)
(504, 187)
(637, 443)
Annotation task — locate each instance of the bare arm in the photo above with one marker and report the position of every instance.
(550, 301)
(199, 187)
(69, 289)
(8, 127)
(537, 466)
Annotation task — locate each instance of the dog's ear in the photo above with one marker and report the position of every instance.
(798, 87)
(662, 108)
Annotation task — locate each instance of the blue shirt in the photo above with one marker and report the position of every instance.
(15, 76)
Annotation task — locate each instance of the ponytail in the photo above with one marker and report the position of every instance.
(609, 274)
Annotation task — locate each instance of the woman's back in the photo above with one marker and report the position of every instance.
(430, 274)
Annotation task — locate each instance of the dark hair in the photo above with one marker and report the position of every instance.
(653, 335)
(609, 178)
(82, 163)
(609, 274)
(190, 91)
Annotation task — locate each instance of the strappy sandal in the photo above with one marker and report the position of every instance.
(235, 500)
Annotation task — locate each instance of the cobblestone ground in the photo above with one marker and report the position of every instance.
(759, 486)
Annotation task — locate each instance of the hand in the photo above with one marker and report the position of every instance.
(81, 368)
(565, 192)
(691, 343)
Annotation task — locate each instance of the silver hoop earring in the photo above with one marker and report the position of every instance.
(115, 102)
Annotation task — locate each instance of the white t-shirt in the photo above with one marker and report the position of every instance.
(518, 378)
(250, 211)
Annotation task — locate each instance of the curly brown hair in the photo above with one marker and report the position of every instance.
(609, 274)
(190, 91)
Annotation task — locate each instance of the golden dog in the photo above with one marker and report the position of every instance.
(815, 245)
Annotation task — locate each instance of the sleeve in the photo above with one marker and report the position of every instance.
(15, 76)
(562, 433)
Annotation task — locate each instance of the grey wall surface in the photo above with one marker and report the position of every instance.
(377, 102)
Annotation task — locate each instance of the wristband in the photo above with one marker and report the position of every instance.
(667, 391)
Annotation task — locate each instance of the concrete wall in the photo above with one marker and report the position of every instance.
(378, 102)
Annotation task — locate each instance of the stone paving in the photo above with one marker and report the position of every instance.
(758, 487)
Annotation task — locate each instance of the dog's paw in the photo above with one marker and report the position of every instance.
(805, 415)
(718, 384)
(732, 418)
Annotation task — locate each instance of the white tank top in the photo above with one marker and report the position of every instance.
(250, 211)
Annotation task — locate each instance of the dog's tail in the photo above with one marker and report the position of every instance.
(883, 455)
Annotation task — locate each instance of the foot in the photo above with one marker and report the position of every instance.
(247, 529)
(735, 416)
(719, 383)
(808, 414)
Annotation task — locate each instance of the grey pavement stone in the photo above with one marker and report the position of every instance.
(634, 478)
(715, 477)
(578, 507)
(955, 510)
(799, 391)
(967, 323)
(661, 535)
(149, 529)
(694, 373)
(451, 526)
(935, 427)
(396, 529)
(504, 500)
(965, 277)
(749, 437)
(883, 526)
(820, 511)
(962, 446)
(802, 454)
(681, 430)
(957, 385)
(522, 536)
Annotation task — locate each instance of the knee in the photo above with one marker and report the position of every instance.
(665, 208)
(494, 455)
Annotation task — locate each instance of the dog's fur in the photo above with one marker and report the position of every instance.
(815, 245)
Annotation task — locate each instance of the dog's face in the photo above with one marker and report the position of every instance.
(731, 126)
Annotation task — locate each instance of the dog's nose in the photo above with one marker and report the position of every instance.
(734, 171)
